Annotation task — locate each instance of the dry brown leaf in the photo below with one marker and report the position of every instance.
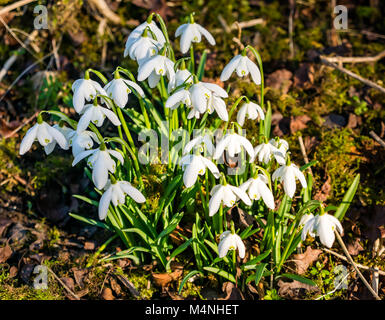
(355, 247)
(107, 294)
(280, 80)
(232, 292)
(5, 253)
(302, 261)
(304, 76)
(299, 122)
(295, 289)
(323, 194)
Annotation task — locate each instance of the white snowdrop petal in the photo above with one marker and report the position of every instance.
(104, 203)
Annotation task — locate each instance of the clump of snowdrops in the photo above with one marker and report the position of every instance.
(213, 168)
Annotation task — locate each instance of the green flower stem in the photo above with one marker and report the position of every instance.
(233, 107)
(100, 250)
(145, 114)
(125, 128)
(192, 60)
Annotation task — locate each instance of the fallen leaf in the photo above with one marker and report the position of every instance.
(355, 247)
(298, 122)
(69, 282)
(107, 294)
(304, 76)
(303, 261)
(295, 289)
(280, 80)
(80, 275)
(13, 272)
(323, 194)
(353, 121)
(5, 253)
(232, 292)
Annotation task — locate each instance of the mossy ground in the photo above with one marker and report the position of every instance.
(341, 152)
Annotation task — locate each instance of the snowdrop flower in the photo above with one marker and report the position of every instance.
(80, 141)
(243, 66)
(288, 173)
(228, 195)
(230, 241)
(66, 131)
(251, 110)
(182, 76)
(96, 114)
(305, 218)
(192, 32)
(281, 149)
(45, 134)
(265, 152)
(194, 165)
(85, 89)
(138, 31)
(155, 67)
(257, 188)
(115, 192)
(142, 48)
(217, 104)
(233, 143)
(118, 89)
(323, 226)
(100, 162)
(200, 141)
(182, 96)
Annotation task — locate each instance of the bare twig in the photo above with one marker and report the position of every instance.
(14, 6)
(340, 256)
(103, 8)
(375, 58)
(224, 24)
(11, 60)
(303, 151)
(22, 125)
(24, 72)
(243, 25)
(291, 27)
(377, 138)
(64, 285)
(350, 259)
(353, 75)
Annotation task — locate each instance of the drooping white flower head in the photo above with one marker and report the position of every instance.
(281, 149)
(233, 143)
(323, 226)
(264, 152)
(194, 165)
(200, 97)
(116, 193)
(251, 110)
(288, 173)
(243, 66)
(45, 134)
(66, 131)
(201, 144)
(85, 89)
(227, 194)
(101, 163)
(82, 141)
(217, 104)
(155, 33)
(181, 96)
(229, 241)
(142, 48)
(118, 89)
(305, 218)
(155, 67)
(96, 114)
(182, 76)
(257, 188)
(192, 32)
